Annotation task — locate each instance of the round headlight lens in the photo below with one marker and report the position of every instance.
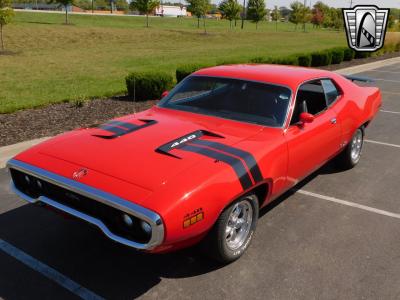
(39, 184)
(127, 220)
(145, 226)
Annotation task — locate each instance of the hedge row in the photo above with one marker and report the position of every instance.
(150, 85)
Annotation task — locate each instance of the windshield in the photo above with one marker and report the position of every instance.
(234, 99)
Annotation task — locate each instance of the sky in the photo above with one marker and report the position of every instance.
(334, 3)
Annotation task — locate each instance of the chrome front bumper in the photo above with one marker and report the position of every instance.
(118, 203)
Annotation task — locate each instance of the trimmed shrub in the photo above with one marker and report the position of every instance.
(257, 60)
(185, 70)
(233, 61)
(148, 85)
(360, 54)
(389, 48)
(322, 58)
(337, 55)
(291, 60)
(305, 60)
(397, 48)
(349, 54)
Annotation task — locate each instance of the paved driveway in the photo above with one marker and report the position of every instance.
(338, 237)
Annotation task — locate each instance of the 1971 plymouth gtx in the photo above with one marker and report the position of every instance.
(199, 165)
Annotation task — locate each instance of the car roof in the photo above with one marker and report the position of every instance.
(290, 76)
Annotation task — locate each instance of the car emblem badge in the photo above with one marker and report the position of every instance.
(79, 174)
(366, 27)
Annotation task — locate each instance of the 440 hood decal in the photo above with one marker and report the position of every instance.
(242, 162)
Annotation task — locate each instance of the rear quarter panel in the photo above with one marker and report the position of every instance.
(357, 105)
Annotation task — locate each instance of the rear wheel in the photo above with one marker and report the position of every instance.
(351, 155)
(234, 230)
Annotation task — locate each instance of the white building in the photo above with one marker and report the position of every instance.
(171, 11)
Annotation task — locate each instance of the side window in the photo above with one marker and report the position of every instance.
(331, 92)
(311, 99)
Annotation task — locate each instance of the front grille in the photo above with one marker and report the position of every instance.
(111, 217)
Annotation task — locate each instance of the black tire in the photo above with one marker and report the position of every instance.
(216, 244)
(346, 160)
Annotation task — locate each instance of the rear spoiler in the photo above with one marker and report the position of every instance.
(359, 78)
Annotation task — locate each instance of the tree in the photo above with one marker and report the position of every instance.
(145, 7)
(230, 10)
(6, 14)
(256, 11)
(319, 13)
(276, 16)
(285, 12)
(337, 17)
(296, 15)
(65, 4)
(300, 14)
(199, 8)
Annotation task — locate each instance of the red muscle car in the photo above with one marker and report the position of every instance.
(199, 165)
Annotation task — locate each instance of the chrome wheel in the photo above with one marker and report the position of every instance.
(239, 224)
(356, 146)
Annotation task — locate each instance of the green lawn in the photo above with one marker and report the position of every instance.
(55, 62)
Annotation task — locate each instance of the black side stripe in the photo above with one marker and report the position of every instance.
(119, 128)
(236, 164)
(246, 156)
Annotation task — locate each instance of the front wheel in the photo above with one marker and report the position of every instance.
(351, 155)
(234, 230)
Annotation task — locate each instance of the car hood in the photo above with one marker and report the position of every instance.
(132, 156)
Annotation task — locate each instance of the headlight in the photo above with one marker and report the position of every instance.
(39, 184)
(127, 220)
(145, 226)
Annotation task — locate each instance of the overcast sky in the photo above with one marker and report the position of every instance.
(335, 3)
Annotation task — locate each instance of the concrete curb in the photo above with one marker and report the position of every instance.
(369, 66)
(8, 152)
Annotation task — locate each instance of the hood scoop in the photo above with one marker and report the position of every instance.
(119, 128)
(181, 141)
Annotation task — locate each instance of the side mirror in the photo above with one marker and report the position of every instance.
(164, 94)
(306, 118)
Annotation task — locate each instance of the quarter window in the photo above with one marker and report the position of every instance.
(331, 92)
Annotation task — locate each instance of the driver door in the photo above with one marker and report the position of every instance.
(310, 145)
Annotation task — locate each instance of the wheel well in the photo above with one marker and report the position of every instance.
(365, 125)
(261, 192)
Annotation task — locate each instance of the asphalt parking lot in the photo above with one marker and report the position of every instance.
(337, 237)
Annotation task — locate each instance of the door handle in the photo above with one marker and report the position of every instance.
(333, 121)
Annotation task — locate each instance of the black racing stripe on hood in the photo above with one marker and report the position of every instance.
(119, 128)
(247, 157)
(236, 164)
(181, 141)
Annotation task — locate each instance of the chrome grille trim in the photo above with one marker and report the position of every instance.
(116, 202)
